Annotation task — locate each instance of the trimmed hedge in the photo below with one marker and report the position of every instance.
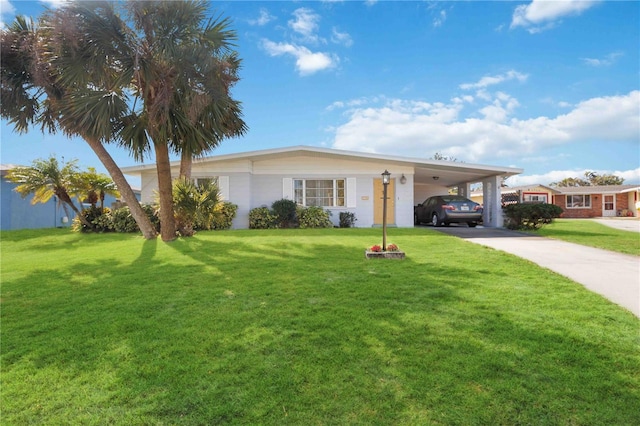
(314, 217)
(285, 212)
(225, 213)
(530, 215)
(262, 218)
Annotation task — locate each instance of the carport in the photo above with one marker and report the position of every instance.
(435, 177)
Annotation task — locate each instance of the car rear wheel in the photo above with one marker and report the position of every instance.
(434, 220)
(472, 224)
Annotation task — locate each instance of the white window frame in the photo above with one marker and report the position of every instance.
(571, 204)
(335, 198)
(536, 197)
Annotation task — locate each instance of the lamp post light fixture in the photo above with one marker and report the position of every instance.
(386, 178)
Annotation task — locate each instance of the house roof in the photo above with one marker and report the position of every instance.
(524, 188)
(448, 173)
(598, 189)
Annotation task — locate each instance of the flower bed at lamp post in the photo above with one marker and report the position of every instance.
(376, 252)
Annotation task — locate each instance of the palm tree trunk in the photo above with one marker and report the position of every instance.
(147, 229)
(163, 167)
(186, 161)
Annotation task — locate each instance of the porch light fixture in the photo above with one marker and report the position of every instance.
(386, 178)
(403, 179)
(436, 177)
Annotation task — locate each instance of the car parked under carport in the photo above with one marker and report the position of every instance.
(446, 209)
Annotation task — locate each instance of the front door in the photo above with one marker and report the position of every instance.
(378, 199)
(609, 205)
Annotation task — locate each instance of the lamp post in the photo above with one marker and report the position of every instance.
(386, 178)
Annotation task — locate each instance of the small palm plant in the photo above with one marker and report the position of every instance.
(195, 206)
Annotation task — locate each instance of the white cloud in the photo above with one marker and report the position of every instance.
(6, 8)
(305, 23)
(440, 18)
(604, 62)
(263, 19)
(487, 81)
(540, 15)
(305, 27)
(54, 4)
(341, 38)
(307, 62)
(422, 128)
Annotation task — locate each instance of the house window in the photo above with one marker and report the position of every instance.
(319, 192)
(578, 201)
(535, 198)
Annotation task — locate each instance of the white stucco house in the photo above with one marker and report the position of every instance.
(336, 180)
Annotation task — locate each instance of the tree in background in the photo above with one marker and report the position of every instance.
(441, 157)
(47, 178)
(96, 186)
(590, 179)
(37, 88)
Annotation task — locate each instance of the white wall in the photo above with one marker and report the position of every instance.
(424, 191)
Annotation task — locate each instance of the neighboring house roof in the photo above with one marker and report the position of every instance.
(525, 188)
(603, 189)
(448, 173)
(4, 168)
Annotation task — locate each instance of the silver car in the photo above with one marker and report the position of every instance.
(446, 209)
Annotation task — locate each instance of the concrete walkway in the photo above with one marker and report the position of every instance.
(613, 275)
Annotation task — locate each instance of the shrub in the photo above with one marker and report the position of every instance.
(262, 218)
(314, 217)
(285, 211)
(530, 215)
(225, 213)
(347, 219)
(100, 219)
(122, 220)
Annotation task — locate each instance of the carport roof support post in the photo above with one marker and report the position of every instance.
(492, 213)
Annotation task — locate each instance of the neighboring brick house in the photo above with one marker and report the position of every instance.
(535, 193)
(598, 201)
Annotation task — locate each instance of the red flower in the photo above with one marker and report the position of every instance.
(376, 248)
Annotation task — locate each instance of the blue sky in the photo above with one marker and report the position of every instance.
(548, 86)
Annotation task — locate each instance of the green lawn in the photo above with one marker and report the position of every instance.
(297, 327)
(593, 234)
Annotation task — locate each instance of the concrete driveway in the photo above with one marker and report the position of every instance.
(615, 276)
(623, 223)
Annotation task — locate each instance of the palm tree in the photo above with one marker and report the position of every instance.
(178, 68)
(184, 70)
(45, 179)
(36, 89)
(96, 186)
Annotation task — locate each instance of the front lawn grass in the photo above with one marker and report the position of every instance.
(297, 327)
(593, 234)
